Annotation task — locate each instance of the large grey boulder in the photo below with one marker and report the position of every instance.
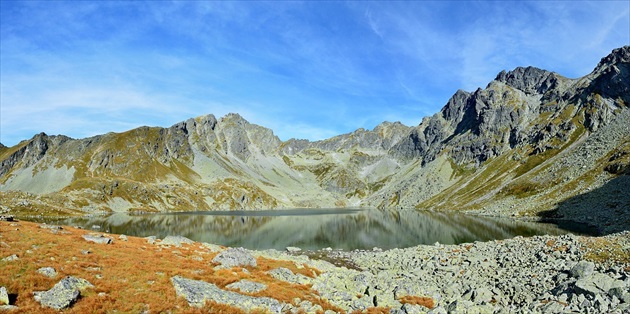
(582, 269)
(176, 241)
(63, 294)
(234, 257)
(197, 292)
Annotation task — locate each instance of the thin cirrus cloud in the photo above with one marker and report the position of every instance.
(304, 69)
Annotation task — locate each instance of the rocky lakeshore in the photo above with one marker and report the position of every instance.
(46, 268)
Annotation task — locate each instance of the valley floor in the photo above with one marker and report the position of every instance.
(46, 268)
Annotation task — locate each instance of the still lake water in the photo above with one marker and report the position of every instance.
(313, 229)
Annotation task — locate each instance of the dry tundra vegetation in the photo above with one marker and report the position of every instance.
(133, 276)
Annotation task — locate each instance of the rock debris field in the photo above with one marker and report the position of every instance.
(47, 268)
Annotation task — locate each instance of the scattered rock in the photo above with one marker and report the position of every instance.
(6, 218)
(51, 227)
(48, 272)
(198, 292)
(97, 238)
(11, 258)
(63, 294)
(247, 286)
(123, 237)
(176, 241)
(234, 257)
(293, 249)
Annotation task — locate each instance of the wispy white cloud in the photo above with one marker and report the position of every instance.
(304, 69)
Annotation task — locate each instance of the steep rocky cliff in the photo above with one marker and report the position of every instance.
(529, 141)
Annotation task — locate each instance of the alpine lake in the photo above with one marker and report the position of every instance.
(314, 229)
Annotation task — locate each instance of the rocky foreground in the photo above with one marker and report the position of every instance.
(47, 268)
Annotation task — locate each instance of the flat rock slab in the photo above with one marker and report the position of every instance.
(176, 241)
(197, 292)
(63, 294)
(97, 238)
(247, 286)
(234, 257)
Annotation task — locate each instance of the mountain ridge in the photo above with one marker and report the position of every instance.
(520, 121)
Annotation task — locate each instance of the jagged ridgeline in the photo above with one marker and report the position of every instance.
(532, 140)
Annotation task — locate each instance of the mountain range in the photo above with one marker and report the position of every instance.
(531, 143)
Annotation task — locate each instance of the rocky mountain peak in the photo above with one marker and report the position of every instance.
(619, 55)
(234, 118)
(530, 80)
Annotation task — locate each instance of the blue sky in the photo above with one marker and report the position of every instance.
(304, 69)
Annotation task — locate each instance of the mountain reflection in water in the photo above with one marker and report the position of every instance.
(317, 228)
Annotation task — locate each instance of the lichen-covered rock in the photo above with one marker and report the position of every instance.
(63, 294)
(247, 286)
(198, 292)
(234, 257)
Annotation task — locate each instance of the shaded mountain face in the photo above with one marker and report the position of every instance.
(529, 140)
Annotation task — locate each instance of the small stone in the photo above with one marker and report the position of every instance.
(123, 237)
(4, 296)
(11, 258)
(293, 249)
(97, 238)
(151, 239)
(48, 272)
(51, 227)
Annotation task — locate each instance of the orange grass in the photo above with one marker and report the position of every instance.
(373, 310)
(416, 300)
(130, 276)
